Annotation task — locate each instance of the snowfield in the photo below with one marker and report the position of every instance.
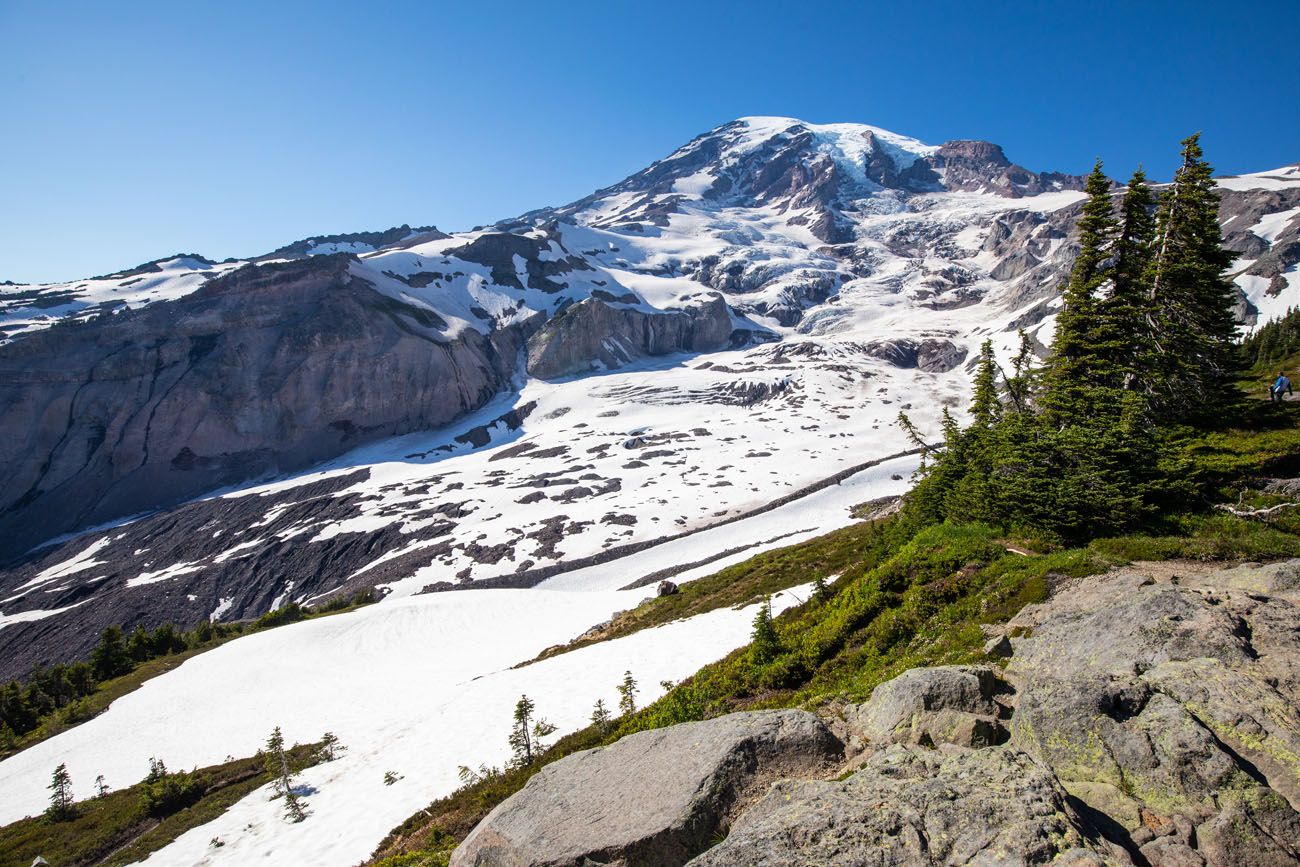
(418, 685)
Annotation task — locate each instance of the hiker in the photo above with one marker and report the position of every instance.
(1280, 387)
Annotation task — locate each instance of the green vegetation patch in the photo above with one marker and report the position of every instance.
(125, 826)
(745, 583)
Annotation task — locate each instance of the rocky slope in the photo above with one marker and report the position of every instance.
(263, 369)
(823, 276)
(1146, 716)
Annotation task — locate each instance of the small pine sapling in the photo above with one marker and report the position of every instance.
(765, 645)
(627, 694)
(600, 716)
(522, 746)
(60, 787)
(282, 774)
(330, 747)
(101, 787)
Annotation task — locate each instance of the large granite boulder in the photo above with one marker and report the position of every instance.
(653, 798)
(911, 806)
(1167, 704)
(1153, 721)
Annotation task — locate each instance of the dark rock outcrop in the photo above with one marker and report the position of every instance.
(269, 368)
(592, 332)
(981, 166)
(931, 355)
(656, 797)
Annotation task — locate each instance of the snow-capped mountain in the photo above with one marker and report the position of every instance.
(758, 306)
(698, 363)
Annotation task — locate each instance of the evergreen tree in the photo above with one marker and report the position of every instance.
(8, 740)
(158, 770)
(1074, 365)
(627, 694)
(1125, 336)
(1191, 299)
(1021, 382)
(60, 787)
(1274, 341)
(110, 657)
(522, 743)
(765, 644)
(821, 589)
(282, 775)
(101, 787)
(600, 716)
(140, 645)
(330, 747)
(986, 407)
(163, 793)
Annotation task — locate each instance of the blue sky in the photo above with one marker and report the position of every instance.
(130, 131)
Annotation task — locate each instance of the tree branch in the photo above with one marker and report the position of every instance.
(1255, 514)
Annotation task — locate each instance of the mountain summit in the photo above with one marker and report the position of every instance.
(822, 176)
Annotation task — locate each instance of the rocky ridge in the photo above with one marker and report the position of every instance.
(1146, 716)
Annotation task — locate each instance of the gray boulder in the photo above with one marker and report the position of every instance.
(947, 704)
(916, 807)
(653, 798)
(1162, 699)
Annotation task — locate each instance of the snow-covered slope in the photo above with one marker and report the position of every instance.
(732, 327)
(418, 686)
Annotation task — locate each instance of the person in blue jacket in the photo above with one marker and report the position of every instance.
(1280, 387)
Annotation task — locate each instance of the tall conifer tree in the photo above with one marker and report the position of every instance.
(1073, 365)
(1192, 300)
(1124, 334)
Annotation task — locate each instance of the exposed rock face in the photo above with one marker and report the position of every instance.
(981, 166)
(269, 368)
(656, 797)
(929, 355)
(498, 250)
(355, 242)
(592, 331)
(915, 807)
(1170, 709)
(1273, 259)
